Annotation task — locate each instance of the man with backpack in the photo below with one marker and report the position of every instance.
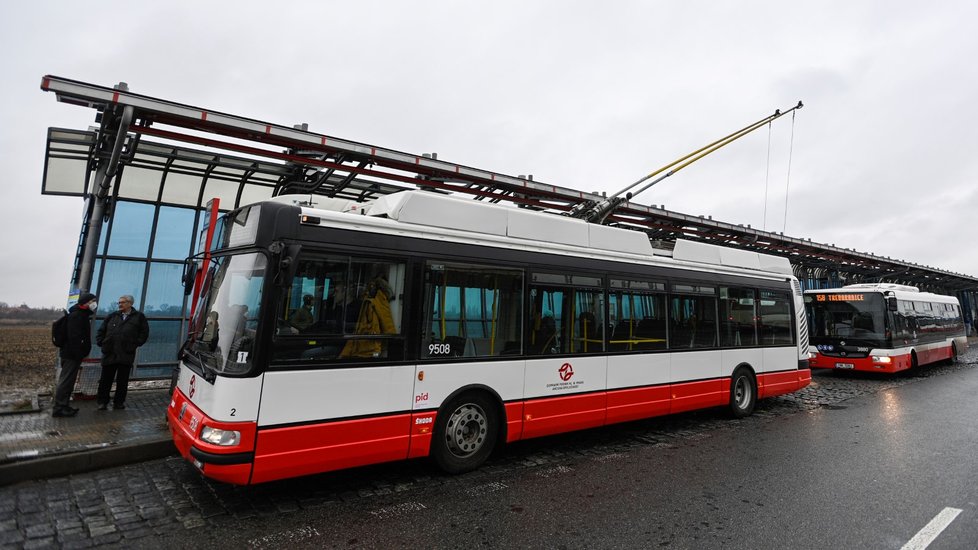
(76, 343)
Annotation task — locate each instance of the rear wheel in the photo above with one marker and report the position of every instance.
(954, 354)
(466, 432)
(743, 393)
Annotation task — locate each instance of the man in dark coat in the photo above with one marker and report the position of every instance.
(120, 334)
(78, 344)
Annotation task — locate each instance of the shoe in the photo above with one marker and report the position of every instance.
(119, 407)
(103, 406)
(64, 413)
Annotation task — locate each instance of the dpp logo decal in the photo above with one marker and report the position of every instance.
(566, 371)
(193, 385)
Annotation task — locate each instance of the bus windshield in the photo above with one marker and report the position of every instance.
(857, 316)
(224, 326)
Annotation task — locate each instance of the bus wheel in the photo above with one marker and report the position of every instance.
(465, 433)
(914, 365)
(743, 393)
(954, 354)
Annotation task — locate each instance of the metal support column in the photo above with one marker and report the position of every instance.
(102, 187)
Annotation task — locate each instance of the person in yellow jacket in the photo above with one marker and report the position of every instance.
(374, 318)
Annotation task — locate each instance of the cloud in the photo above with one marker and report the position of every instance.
(580, 95)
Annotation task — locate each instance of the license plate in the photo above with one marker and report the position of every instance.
(845, 366)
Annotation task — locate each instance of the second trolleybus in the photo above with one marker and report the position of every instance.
(339, 334)
(883, 327)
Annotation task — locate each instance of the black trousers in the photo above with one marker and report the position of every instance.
(119, 374)
(66, 382)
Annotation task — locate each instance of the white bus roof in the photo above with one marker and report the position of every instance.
(433, 215)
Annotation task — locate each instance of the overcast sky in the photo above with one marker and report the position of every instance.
(585, 95)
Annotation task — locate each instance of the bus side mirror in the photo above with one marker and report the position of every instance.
(189, 275)
(891, 304)
(287, 261)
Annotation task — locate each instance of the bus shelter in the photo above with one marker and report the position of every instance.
(150, 168)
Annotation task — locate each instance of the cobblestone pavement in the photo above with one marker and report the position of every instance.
(127, 506)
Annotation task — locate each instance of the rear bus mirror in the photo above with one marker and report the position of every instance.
(891, 304)
(189, 276)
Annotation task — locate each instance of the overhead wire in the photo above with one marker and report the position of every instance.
(787, 182)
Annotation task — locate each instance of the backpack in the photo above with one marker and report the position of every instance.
(59, 331)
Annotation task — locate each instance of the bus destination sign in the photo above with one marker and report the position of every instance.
(840, 297)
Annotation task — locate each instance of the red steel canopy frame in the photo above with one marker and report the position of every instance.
(329, 166)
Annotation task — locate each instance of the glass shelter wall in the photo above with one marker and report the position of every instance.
(155, 210)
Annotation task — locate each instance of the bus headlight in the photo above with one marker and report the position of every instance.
(218, 436)
(882, 359)
(812, 355)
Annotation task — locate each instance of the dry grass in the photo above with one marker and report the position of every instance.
(27, 358)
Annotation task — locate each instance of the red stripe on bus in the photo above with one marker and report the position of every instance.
(422, 426)
(637, 403)
(115, 97)
(203, 115)
(514, 421)
(778, 383)
(302, 450)
(563, 414)
(689, 396)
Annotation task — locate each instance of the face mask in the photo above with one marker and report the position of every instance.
(93, 305)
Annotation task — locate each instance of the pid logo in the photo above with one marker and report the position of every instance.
(565, 371)
(193, 385)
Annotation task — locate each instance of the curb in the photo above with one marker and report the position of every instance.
(85, 461)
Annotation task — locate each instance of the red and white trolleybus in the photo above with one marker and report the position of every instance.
(883, 327)
(339, 334)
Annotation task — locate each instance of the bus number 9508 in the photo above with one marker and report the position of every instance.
(439, 349)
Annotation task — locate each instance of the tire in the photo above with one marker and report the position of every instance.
(954, 354)
(466, 432)
(914, 365)
(743, 392)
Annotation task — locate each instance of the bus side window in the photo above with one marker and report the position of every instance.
(471, 311)
(332, 307)
(636, 315)
(566, 314)
(775, 310)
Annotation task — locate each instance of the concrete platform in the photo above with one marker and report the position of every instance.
(34, 445)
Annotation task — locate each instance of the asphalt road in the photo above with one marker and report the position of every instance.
(851, 462)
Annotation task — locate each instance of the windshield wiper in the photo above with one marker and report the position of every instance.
(209, 373)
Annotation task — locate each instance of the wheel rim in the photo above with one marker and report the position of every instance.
(742, 392)
(466, 430)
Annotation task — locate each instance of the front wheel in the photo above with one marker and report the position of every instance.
(743, 393)
(465, 433)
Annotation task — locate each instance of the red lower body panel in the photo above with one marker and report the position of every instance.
(638, 403)
(780, 383)
(302, 450)
(689, 396)
(307, 449)
(563, 414)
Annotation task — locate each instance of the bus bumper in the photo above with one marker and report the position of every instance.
(887, 364)
(227, 464)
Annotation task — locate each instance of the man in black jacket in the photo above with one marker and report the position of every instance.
(120, 334)
(78, 344)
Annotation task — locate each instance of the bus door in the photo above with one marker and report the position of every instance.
(566, 369)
